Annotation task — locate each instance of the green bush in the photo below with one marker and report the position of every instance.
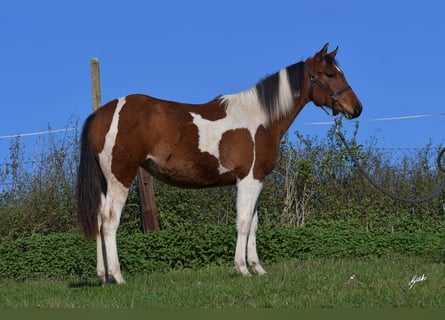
(196, 246)
(314, 180)
(55, 255)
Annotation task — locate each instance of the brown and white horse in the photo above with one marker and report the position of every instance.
(233, 139)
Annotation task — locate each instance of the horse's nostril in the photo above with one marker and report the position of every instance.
(358, 108)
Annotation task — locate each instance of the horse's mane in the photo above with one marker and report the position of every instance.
(274, 95)
(277, 92)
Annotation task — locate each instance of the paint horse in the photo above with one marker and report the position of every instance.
(231, 140)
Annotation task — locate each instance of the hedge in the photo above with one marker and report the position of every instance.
(195, 246)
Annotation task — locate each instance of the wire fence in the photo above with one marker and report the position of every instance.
(313, 179)
(31, 161)
(46, 151)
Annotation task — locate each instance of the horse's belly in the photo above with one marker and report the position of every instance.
(188, 175)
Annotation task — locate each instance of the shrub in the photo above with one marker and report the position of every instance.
(314, 180)
(196, 246)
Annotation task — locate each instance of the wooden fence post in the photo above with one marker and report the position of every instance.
(147, 202)
(95, 83)
(145, 185)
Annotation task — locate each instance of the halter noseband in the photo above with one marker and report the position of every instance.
(314, 79)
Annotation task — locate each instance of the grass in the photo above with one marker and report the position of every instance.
(315, 283)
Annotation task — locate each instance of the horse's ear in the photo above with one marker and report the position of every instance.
(322, 53)
(333, 53)
(324, 50)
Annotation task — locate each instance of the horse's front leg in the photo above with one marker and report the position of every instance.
(252, 255)
(247, 196)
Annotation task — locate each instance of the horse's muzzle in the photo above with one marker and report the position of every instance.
(358, 109)
(356, 112)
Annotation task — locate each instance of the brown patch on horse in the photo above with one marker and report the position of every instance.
(144, 123)
(212, 110)
(184, 166)
(236, 151)
(266, 153)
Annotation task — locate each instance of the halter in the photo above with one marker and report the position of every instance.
(334, 95)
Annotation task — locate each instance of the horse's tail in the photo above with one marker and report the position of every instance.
(91, 184)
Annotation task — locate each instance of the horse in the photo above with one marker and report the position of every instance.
(231, 140)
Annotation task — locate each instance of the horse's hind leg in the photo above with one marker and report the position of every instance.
(102, 271)
(109, 222)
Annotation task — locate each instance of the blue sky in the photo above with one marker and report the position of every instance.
(391, 52)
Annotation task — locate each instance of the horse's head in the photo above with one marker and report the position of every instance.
(328, 85)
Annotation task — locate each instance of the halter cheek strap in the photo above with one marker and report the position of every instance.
(333, 94)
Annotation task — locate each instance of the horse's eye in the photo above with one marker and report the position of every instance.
(330, 74)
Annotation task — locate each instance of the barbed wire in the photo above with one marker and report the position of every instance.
(5, 163)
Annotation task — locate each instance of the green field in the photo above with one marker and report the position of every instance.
(311, 283)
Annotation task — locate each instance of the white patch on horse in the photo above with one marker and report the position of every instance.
(209, 137)
(285, 99)
(338, 68)
(105, 156)
(244, 107)
(111, 204)
(239, 115)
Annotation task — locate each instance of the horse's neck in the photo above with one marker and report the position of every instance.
(281, 126)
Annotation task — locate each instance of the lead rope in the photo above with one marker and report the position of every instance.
(371, 180)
